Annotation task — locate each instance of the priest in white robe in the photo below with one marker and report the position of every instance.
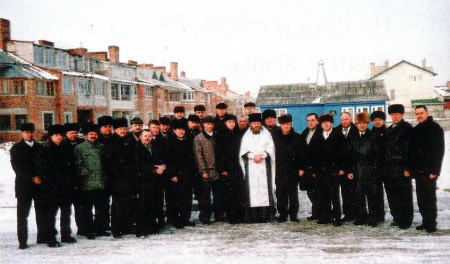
(257, 159)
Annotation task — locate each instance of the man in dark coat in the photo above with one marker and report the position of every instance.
(194, 125)
(269, 117)
(149, 168)
(288, 158)
(26, 161)
(328, 166)
(227, 157)
(310, 137)
(136, 128)
(364, 158)
(199, 111)
(90, 159)
(378, 119)
(348, 187)
(249, 108)
(219, 123)
(398, 179)
(161, 141)
(58, 173)
(181, 169)
(426, 154)
(123, 180)
(180, 112)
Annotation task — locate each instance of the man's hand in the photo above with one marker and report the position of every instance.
(224, 173)
(350, 176)
(407, 174)
(433, 176)
(301, 173)
(174, 179)
(341, 172)
(258, 158)
(205, 176)
(160, 169)
(314, 175)
(37, 180)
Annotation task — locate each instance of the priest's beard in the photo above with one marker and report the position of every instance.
(256, 130)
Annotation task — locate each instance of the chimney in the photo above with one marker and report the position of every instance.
(132, 63)
(424, 63)
(5, 33)
(223, 81)
(97, 55)
(113, 54)
(386, 63)
(372, 66)
(160, 69)
(46, 43)
(174, 70)
(145, 66)
(247, 94)
(183, 74)
(78, 51)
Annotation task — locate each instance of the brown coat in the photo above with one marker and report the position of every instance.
(204, 146)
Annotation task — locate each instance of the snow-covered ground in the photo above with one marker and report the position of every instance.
(304, 242)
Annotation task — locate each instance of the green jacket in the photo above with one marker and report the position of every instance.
(89, 160)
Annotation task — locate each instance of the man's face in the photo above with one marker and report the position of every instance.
(269, 122)
(221, 112)
(396, 118)
(362, 126)
(72, 135)
(312, 122)
(56, 138)
(326, 125)
(378, 122)
(286, 128)
(179, 132)
(137, 128)
(165, 128)
(231, 124)
(146, 137)
(193, 125)
(346, 120)
(200, 114)
(155, 129)
(121, 131)
(179, 115)
(421, 115)
(92, 136)
(209, 127)
(243, 123)
(250, 110)
(27, 135)
(106, 130)
(255, 127)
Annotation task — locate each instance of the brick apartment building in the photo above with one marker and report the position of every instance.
(75, 85)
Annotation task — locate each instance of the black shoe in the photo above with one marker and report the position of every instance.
(431, 229)
(323, 222)
(103, 233)
(373, 224)
(394, 224)
(178, 226)
(81, 233)
(420, 227)
(282, 219)
(205, 221)
(359, 222)
(189, 223)
(68, 239)
(41, 241)
(117, 235)
(23, 245)
(294, 219)
(53, 244)
(90, 236)
(348, 218)
(312, 218)
(337, 223)
(219, 219)
(404, 227)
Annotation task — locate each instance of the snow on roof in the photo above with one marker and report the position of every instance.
(443, 91)
(15, 67)
(194, 84)
(87, 75)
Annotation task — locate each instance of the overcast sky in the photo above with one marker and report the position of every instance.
(252, 43)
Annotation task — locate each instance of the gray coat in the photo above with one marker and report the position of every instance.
(204, 152)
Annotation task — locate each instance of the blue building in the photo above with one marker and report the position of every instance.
(333, 97)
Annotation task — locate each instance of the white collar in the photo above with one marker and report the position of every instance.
(29, 143)
(209, 133)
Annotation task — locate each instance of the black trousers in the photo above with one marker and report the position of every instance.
(23, 211)
(149, 208)
(78, 214)
(329, 202)
(367, 211)
(426, 199)
(216, 187)
(99, 200)
(180, 198)
(380, 202)
(234, 197)
(121, 213)
(348, 188)
(65, 206)
(287, 196)
(399, 192)
(309, 183)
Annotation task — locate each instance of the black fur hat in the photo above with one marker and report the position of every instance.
(120, 122)
(269, 113)
(199, 108)
(378, 114)
(396, 108)
(194, 118)
(178, 109)
(255, 117)
(221, 106)
(71, 127)
(27, 127)
(105, 121)
(326, 117)
(285, 118)
(56, 129)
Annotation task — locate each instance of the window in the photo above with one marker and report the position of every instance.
(188, 96)
(350, 110)
(5, 122)
(415, 78)
(84, 88)
(149, 116)
(67, 86)
(125, 92)
(46, 89)
(18, 88)
(50, 57)
(48, 118)
(100, 88)
(174, 96)
(376, 108)
(4, 89)
(392, 95)
(20, 119)
(361, 109)
(115, 91)
(280, 111)
(148, 91)
(68, 117)
(61, 59)
(38, 55)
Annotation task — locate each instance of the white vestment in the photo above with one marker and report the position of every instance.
(256, 173)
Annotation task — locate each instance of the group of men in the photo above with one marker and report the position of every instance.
(241, 170)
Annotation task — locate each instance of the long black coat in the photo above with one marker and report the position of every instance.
(27, 163)
(330, 155)
(364, 153)
(227, 151)
(122, 165)
(59, 170)
(426, 150)
(380, 134)
(288, 150)
(397, 144)
(307, 182)
(145, 162)
(180, 162)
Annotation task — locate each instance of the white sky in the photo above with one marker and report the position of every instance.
(252, 43)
